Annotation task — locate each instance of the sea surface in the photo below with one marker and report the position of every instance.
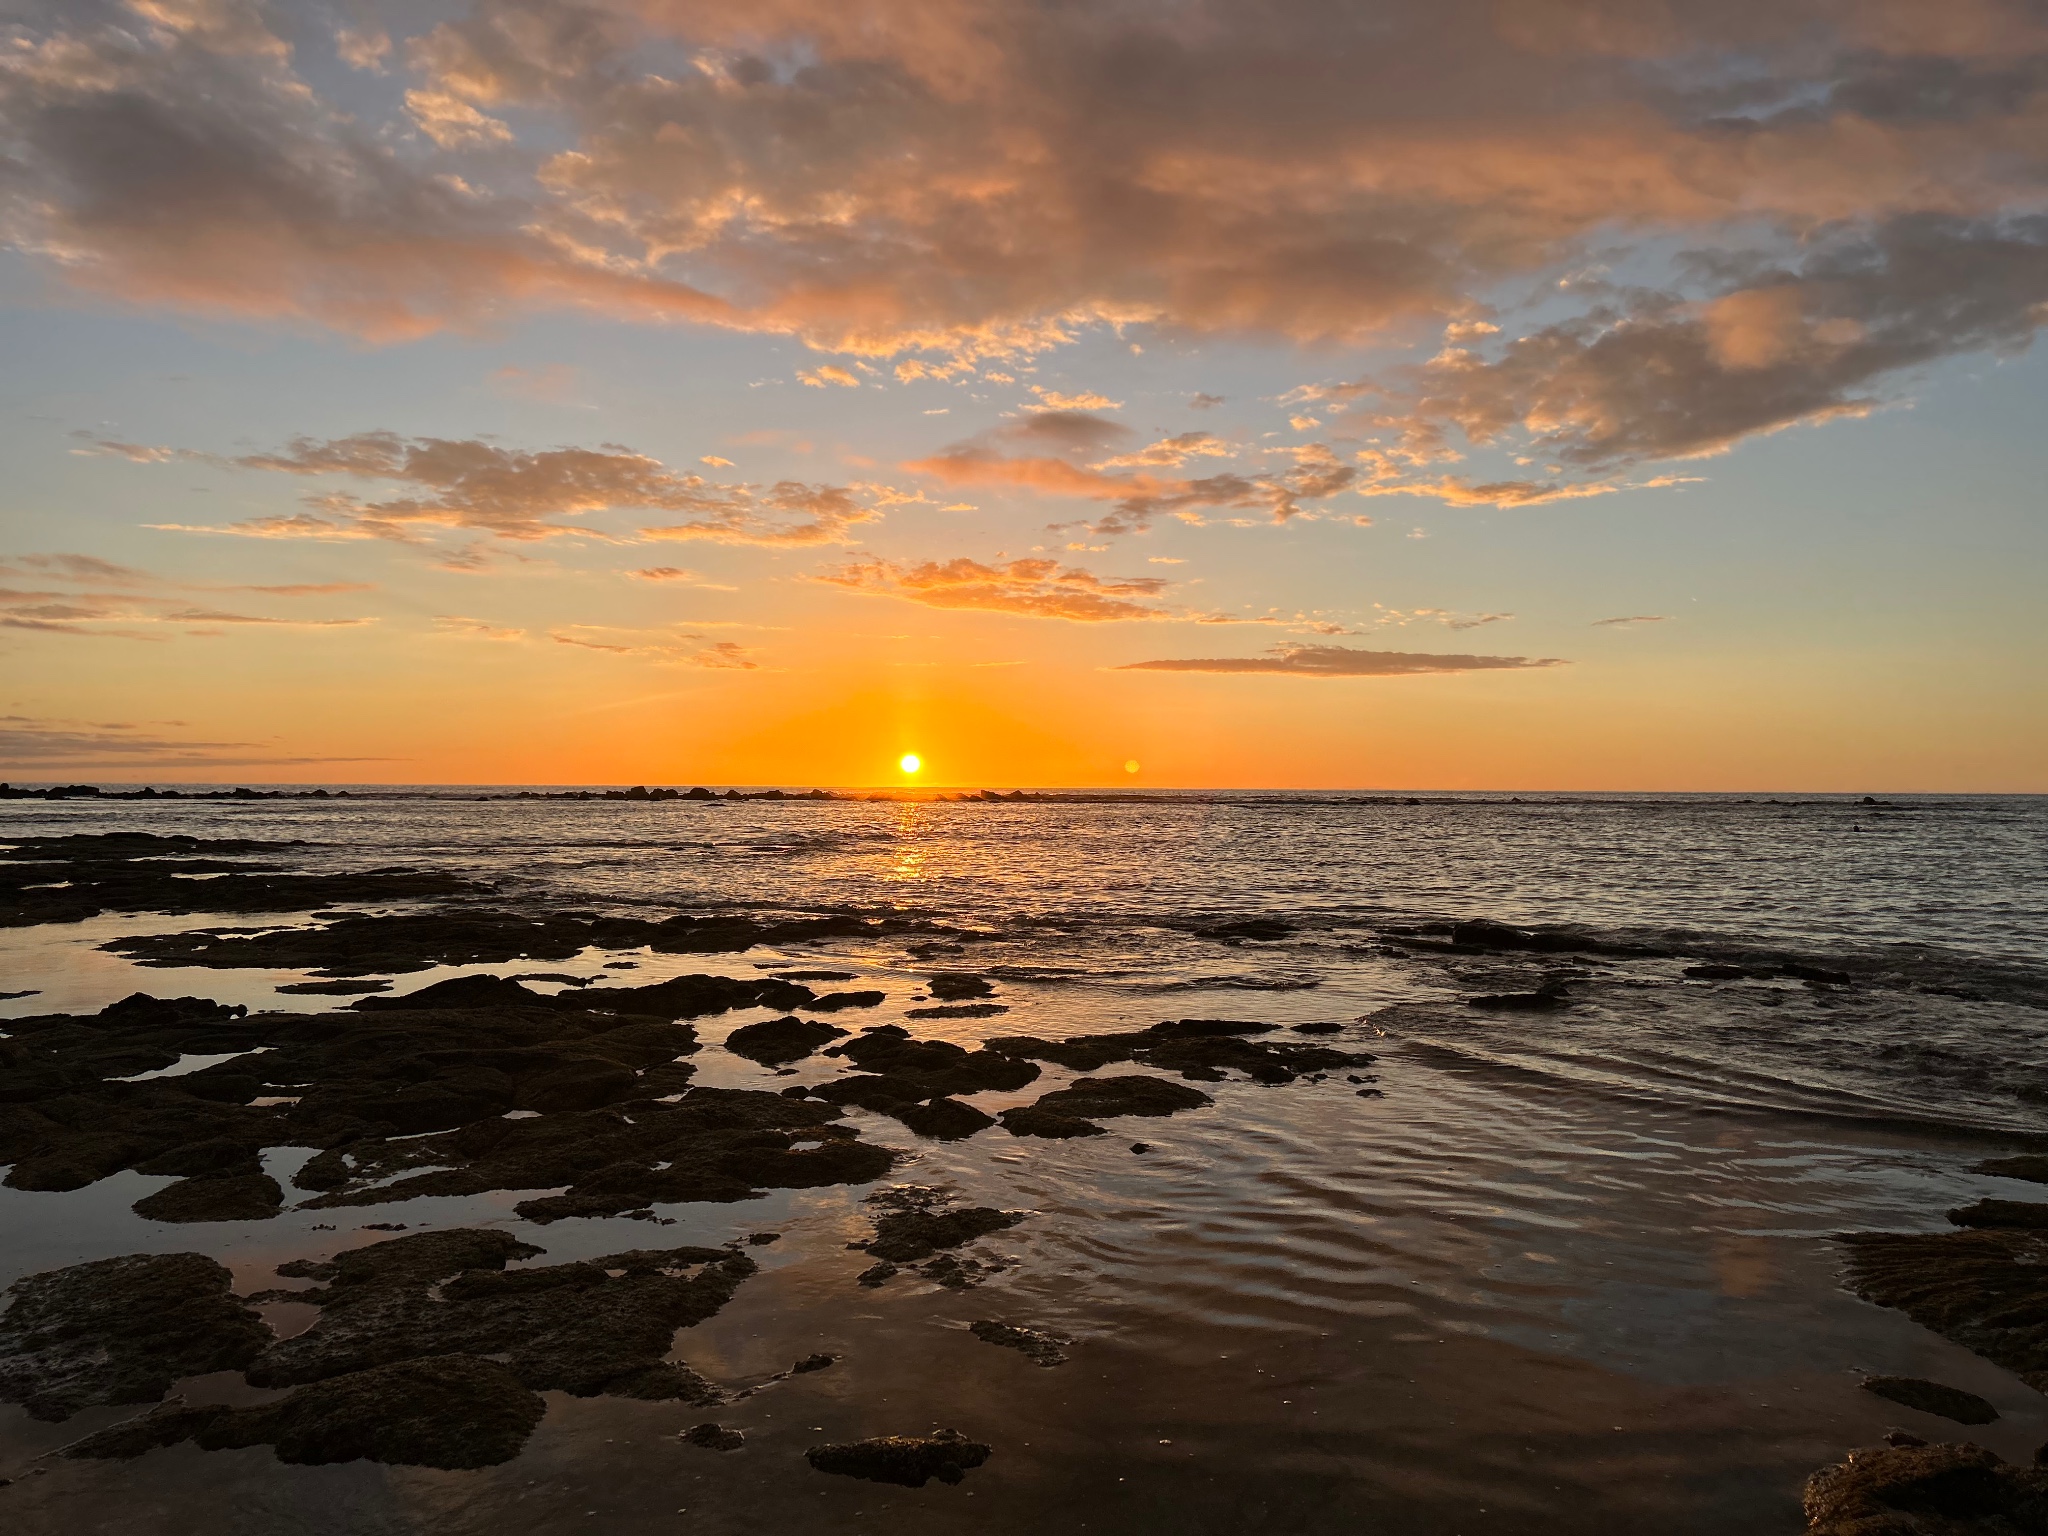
(1551, 1271)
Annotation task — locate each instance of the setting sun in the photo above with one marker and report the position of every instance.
(910, 762)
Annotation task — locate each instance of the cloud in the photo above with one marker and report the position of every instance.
(72, 568)
(217, 616)
(1343, 661)
(1036, 588)
(825, 375)
(1633, 618)
(1204, 402)
(27, 741)
(1816, 197)
(475, 629)
(1069, 453)
(1086, 400)
(70, 599)
(551, 383)
(664, 646)
(312, 588)
(476, 485)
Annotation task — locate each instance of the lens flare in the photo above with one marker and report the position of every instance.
(910, 762)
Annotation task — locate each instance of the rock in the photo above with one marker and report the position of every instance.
(957, 986)
(1986, 1289)
(599, 1326)
(834, 1002)
(944, 1119)
(762, 1239)
(336, 988)
(875, 1274)
(2016, 1215)
(1067, 1112)
(121, 1331)
(1716, 972)
(2032, 1167)
(1141, 1147)
(778, 1040)
(1926, 1490)
(1205, 1050)
(1263, 929)
(249, 1197)
(714, 1437)
(1319, 1029)
(908, 1460)
(958, 1011)
(1040, 1348)
(809, 1363)
(455, 1412)
(906, 1236)
(1551, 994)
(1932, 1397)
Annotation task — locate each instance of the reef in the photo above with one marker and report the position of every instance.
(471, 1085)
(908, 1460)
(1926, 1490)
(121, 1331)
(1072, 1111)
(914, 1080)
(1040, 1348)
(455, 1412)
(71, 878)
(1932, 1397)
(779, 1040)
(352, 944)
(1986, 1289)
(1206, 1050)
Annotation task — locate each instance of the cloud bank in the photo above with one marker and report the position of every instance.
(1343, 661)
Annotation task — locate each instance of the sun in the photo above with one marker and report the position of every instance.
(910, 762)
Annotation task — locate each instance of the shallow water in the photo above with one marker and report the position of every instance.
(1567, 1274)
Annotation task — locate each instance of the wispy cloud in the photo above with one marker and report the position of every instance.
(1633, 618)
(1343, 661)
(1037, 588)
(657, 645)
(36, 743)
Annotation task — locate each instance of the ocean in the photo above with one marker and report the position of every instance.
(1555, 1261)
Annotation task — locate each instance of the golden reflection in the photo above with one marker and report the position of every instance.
(910, 851)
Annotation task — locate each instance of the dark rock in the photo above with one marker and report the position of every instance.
(2016, 1215)
(1205, 1050)
(1141, 1147)
(1264, 929)
(1932, 1397)
(834, 1002)
(2033, 1167)
(944, 1119)
(1319, 1029)
(1926, 1490)
(714, 1437)
(809, 1363)
(218, 1156)
(1716, 972)
(816, 975)
(959, 1011)
(957, 986)
(1040, 1348)
(121, 1331)
(875, 1274)
(249, 1197)
(762, 1239)
(779, 1040)
(1986, 1289)
(1551, 994)
(1069, 1111)
(336, 988)
(603, 1325)
(906, 1236)
(908, 1460)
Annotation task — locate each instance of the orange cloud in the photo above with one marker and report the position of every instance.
(1343, 661)
(1036, 588)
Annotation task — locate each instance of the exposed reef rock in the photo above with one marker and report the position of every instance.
(1927, 1490)
(1985, 1289)
(909, 1460)
(355, 945)
(779, 1040)
(598, 1326)
(1040, 1348)
(914, 1080)
(1072, 1111)
(393, 1087)
(1932, 1397)
(714, 1437)
(70, 878)
(451, 1411)
(1206, 1050)
(916, 1224)
(247, 1197)
(958, 986)
(2032, 1167)
(121, 1331)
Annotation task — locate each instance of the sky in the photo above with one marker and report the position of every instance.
(1420, 394)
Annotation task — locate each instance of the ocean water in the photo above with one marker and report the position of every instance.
(1566, 1271)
